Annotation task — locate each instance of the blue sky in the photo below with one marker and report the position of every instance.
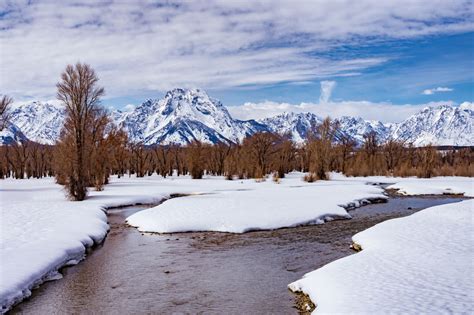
(270, 54)
(414, 65)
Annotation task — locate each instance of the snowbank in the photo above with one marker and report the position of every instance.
(256, 206)
(418, 186)
(417, 264)
(435, 186)
(41, 231)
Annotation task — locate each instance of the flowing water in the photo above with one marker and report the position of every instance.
(211, 273)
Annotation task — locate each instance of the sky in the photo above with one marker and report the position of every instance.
(375, 59)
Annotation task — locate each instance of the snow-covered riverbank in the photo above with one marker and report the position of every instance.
(446, 185)
(242, 206)
(411, 265)
(41, 231)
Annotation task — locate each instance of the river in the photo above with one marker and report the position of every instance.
(207, 272)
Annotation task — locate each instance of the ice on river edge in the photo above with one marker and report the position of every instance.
(417, 264)
(41, 231)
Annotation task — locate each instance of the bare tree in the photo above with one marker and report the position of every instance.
(140, 157)
(260, 148)
(218, 154)
(370, 148)
(79, 93)
(321, 151)
(343, 151)
(196, 159)
(393, 151)
(284, 156)
(428, 161)
(5, 103)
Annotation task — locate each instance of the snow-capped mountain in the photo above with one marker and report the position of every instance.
(441, 125)
(11, 134)
(39, 122)
(301, 125)
(356, 128)
(298, 125)
(184, 115)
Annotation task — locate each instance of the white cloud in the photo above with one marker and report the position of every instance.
(129, 107)
(326, 90)
(138, 46)
(467, 105)
(385, 112)
(436, 90)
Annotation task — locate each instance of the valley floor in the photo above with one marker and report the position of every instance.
(41, 231)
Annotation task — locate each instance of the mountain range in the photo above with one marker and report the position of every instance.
(184, 115)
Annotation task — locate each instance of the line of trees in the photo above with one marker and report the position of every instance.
(91, 149)
(108, 152)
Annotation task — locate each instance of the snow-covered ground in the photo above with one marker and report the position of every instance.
(421, 264)
(419, 186)
(418, 264)
(435, 186)
(41, 231)
(241, 206)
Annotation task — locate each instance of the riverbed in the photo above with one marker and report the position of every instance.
(205, 272)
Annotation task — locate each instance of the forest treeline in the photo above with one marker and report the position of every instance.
(91, 149)
(257, 156)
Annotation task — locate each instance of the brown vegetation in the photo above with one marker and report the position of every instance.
(82, 155)
(106, 151)
(5, 103)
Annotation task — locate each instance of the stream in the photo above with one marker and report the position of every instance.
(205, 272)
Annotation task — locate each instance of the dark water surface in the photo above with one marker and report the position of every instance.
(211, 273)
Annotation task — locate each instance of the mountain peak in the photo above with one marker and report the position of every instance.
(299, 125)
(39, 121)
(191, 96)
(184, 115)
(440, 125)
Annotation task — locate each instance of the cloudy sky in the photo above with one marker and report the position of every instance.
(377, 59)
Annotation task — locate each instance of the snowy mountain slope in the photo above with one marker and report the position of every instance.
(356, 128)
(184, 115)
(298, 125)
(441, 125)
(11, 134)
(39, 122)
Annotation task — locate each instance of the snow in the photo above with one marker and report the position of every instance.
(356, 127)
(237, 207)
(440, 125)
(183, 115)
(298, 125)
(417, 264)
(41, 231)
(39, 122)
(435, 186)
(11, 134)
(418, 186)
